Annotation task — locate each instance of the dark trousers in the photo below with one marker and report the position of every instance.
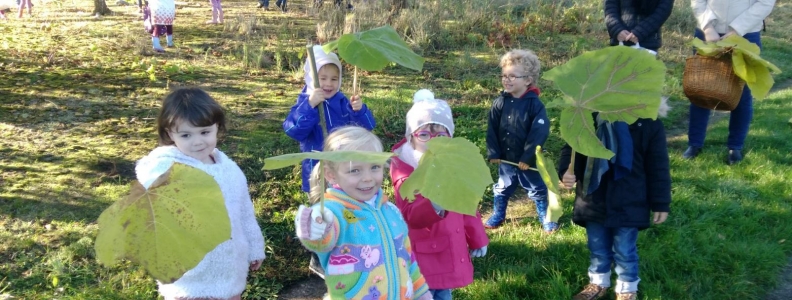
(739, 118)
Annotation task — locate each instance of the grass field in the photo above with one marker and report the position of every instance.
(79, 94)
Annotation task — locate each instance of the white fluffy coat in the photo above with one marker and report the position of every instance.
(223, 271)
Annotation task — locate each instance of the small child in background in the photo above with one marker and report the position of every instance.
(147, 22)
(624, 195)
(217, 12)
(360, 238)
(302, 123)
(443, 241)
(188, 125)
(517, 124)
(162, 12)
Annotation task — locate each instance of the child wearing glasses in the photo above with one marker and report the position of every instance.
(443, 241)
(517, 124)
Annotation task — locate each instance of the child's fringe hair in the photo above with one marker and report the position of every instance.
(527, 59)
(348, 138)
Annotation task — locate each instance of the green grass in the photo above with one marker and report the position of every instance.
(78, 98)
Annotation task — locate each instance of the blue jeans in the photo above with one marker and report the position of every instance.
(509, 177)
(441, 294)
(608, 245)
(739, 118)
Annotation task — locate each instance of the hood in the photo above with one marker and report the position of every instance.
(322, 59)
(160, 160)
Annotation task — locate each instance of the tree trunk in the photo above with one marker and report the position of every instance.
(100, 8)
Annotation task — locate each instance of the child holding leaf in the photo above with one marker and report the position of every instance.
(444, 240)
(360, 238)
(617, 200)
(517, 124)
(303, 124)
(188, 125)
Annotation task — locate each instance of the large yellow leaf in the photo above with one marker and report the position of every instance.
(451, 173)
(167, 229)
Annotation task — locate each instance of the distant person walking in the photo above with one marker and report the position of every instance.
(22, 5)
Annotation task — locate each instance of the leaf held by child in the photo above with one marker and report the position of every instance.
(167, 229)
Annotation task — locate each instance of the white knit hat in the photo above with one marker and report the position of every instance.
(322, 59)
(428, 110)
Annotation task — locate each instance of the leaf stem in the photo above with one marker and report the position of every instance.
(517, 165)
(322, 121)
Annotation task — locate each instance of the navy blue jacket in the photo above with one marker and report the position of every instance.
(302, 124)
(644, 22)
(516, 127)
(626, 202)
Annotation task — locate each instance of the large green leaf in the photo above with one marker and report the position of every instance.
(282, 161)
(546, 169)
(746, 61)
(621, 83)
(167, 229)
(374, 49)
(452, 173)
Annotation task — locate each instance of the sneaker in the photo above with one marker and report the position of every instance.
(735, 156)
(591, 292)
(626, 296)
(691, 152)
(159, 50)
(260, 5)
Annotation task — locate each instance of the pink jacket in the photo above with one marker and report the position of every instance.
(441, 245)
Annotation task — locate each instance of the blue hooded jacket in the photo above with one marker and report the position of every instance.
(302, 124)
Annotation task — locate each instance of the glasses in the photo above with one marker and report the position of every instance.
(425, 136)
(510, 78)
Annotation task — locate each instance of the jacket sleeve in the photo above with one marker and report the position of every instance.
(658, 176)
(653, 22)
(251, 228)
(363, 117)
(474, 232)
(613, 20)
(752, 17)
(703, 14)
(417, 214)
(493, 125)
(330, 237)
(420, 287)
(302, 119)
(540, 130)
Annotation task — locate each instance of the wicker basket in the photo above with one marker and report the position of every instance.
(710, 82)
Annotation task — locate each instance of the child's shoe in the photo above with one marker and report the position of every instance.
(499, 204)
(591, 292)
(550, 227)
(626, 296)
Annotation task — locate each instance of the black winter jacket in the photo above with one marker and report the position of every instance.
(516, 127)
(628, 201)
(644, 22)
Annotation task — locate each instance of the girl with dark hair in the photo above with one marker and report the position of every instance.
(188, 125)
